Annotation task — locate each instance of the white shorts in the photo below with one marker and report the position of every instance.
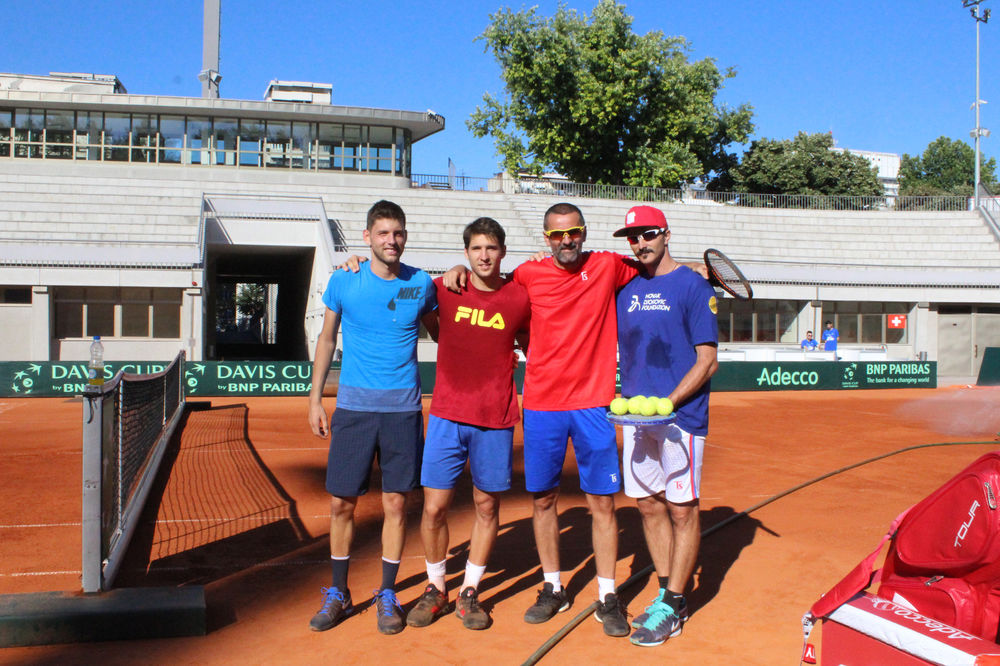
(662, 459)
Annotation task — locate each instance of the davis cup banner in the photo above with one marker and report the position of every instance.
(263, 378)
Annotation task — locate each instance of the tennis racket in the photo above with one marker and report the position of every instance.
(637, 420)
(722, 272)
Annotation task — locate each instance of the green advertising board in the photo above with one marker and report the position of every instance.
(276, 378)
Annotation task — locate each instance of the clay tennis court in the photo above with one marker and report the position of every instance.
(244, 513)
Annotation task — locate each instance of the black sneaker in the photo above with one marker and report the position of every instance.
(612, 616)
(336, 606)
(389, 612)
(547, 605)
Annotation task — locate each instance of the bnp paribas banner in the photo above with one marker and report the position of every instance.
(262, 378)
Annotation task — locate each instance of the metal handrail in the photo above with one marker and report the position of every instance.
(565, 188)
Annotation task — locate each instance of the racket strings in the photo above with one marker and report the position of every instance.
(728, 276)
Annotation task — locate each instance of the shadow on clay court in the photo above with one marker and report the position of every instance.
(215, 508)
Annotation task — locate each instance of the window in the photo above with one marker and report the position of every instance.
(59, 134)
(251, 142)
(117, 130)
(225, 141)
(128, 312)
(6, 118)
(199, 141)
(758, 321)
(171, 138)
(865, 322)
(15, 295)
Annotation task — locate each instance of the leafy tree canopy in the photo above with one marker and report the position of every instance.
(946, 167)
(594, 101)
(804, 165)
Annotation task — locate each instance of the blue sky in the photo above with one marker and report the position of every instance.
(888, 76)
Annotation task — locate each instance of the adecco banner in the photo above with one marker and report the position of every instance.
(219, 378)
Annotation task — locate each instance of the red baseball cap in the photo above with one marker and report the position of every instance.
(640, 218)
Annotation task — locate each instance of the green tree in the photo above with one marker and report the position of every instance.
(946, 168)
(598, 103)
(804, 165)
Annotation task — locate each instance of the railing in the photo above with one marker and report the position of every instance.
(565, 188)
(989, 207)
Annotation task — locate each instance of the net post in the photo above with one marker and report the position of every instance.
(93, 426)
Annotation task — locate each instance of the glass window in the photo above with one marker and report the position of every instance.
(330, 137)
(226, 131)
(89, 126)
(166, 320)
(788, 312)
(251, 142)
(6, 118)
(277, 145)
(742, 322)
(303, 135)
(20, 295)
(199, 141)
(69, 320)
(59, 134)
(171, 138)
(766, 321)
(144, 133)
(380, 139)
(100, 319)
(135, 320)
(848, 327)
(117, 127)
(29, 125)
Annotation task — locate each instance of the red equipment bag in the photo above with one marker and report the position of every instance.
(944, 555)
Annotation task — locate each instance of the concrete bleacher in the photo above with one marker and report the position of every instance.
(117, 205)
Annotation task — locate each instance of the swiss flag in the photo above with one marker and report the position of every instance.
(897, 321)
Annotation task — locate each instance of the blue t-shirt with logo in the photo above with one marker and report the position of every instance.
(660, 320)
(380, 320)
(830, 337)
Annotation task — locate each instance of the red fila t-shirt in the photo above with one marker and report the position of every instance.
(572, 353)
(474, 381)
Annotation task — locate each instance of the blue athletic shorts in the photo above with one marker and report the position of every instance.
(356, 438)
(449, 444)
(594, 443)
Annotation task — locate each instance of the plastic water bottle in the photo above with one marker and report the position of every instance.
(95, 369)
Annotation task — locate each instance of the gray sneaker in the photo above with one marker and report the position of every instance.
(682, 612)
(611, 614)
(336, 606)
(390, 614)
(661, 624)
(547, 605)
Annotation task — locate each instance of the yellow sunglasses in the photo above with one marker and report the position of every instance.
(557, 234)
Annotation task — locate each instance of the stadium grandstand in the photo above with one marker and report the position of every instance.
(211, 226)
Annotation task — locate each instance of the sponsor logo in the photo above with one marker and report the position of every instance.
(649, 303)
(934, 626)
(713, 305)
(779, 377)
(405, 294)
(478, 317)
(584, 276)
(963, 531)
(991, 499)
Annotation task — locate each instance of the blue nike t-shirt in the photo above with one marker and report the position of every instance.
(660, 320)
(380, 320)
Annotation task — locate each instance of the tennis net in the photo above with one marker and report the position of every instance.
(127, 423)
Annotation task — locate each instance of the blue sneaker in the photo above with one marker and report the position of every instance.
(662, 623)
(682, 612)
(336, 606)
(390, 614)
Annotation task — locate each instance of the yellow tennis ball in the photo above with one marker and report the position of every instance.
(635, 404)
(664, 406)
(619, 406)
(649, 406)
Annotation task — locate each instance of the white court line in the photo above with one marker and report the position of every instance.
(25, 525)
(40, 573)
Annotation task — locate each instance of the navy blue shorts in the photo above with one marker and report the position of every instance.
(594, 443)
(357, 438)
(449, 444)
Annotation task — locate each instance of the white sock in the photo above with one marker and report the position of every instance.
(554, 578)
(605, 586)
(435, 574)
(473, 574)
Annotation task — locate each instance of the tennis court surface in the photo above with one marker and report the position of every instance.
(244, 513)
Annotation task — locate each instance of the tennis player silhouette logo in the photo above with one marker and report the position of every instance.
(634, 305)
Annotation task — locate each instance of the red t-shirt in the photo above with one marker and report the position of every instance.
(474, 380)
(572, 353)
